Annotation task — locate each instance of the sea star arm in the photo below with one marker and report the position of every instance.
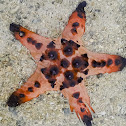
(76, 24)
(102, 63)
(79, 101)
(37, 84)
(35, 43)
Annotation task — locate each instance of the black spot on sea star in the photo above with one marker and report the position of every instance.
(80, 15)
(80, 7)
(53, 55)
(29, 40)
(51, 45)
(82, 109)
(34, 42)
(14, 27)
(72, 83)
(21, 95)
(30, 89)
(84, 55)
(42, 57)
(79, 80)
(37, 84)
(65, 63)
(69, 75)
(13, 101)
(86, 72)
(87, 120)
(76, 95)
(74, 30)
(52, 82)
(63, 41)
(80, 100)
(64, 85)
(109, 62)
(75, 24)
(77, 62)
(38, 45)
(68, 51)
(117, 62)
(54, 70)
(43, 70)
(123, 63)
(103, 63)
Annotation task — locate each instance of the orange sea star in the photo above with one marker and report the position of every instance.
(62, 64)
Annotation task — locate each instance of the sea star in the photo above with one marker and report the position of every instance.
(62, 64)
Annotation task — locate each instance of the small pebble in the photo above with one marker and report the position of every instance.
(91, 40)
(14, 10)
(1, 118)
(66, 110)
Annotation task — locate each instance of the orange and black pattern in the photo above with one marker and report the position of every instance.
(62, 64)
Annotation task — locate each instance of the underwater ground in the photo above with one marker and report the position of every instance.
(105, 33)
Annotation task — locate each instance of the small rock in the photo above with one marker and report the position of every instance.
(66, 110)
(91, 40)
(14, 10)
(101, 113)
(1, 118)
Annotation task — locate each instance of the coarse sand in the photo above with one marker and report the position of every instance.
(105, 33)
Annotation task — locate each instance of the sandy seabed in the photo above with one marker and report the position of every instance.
(105, 33)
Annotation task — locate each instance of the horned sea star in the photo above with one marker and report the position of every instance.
(62, 64)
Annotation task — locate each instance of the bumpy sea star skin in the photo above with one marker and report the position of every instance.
(62, 64)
